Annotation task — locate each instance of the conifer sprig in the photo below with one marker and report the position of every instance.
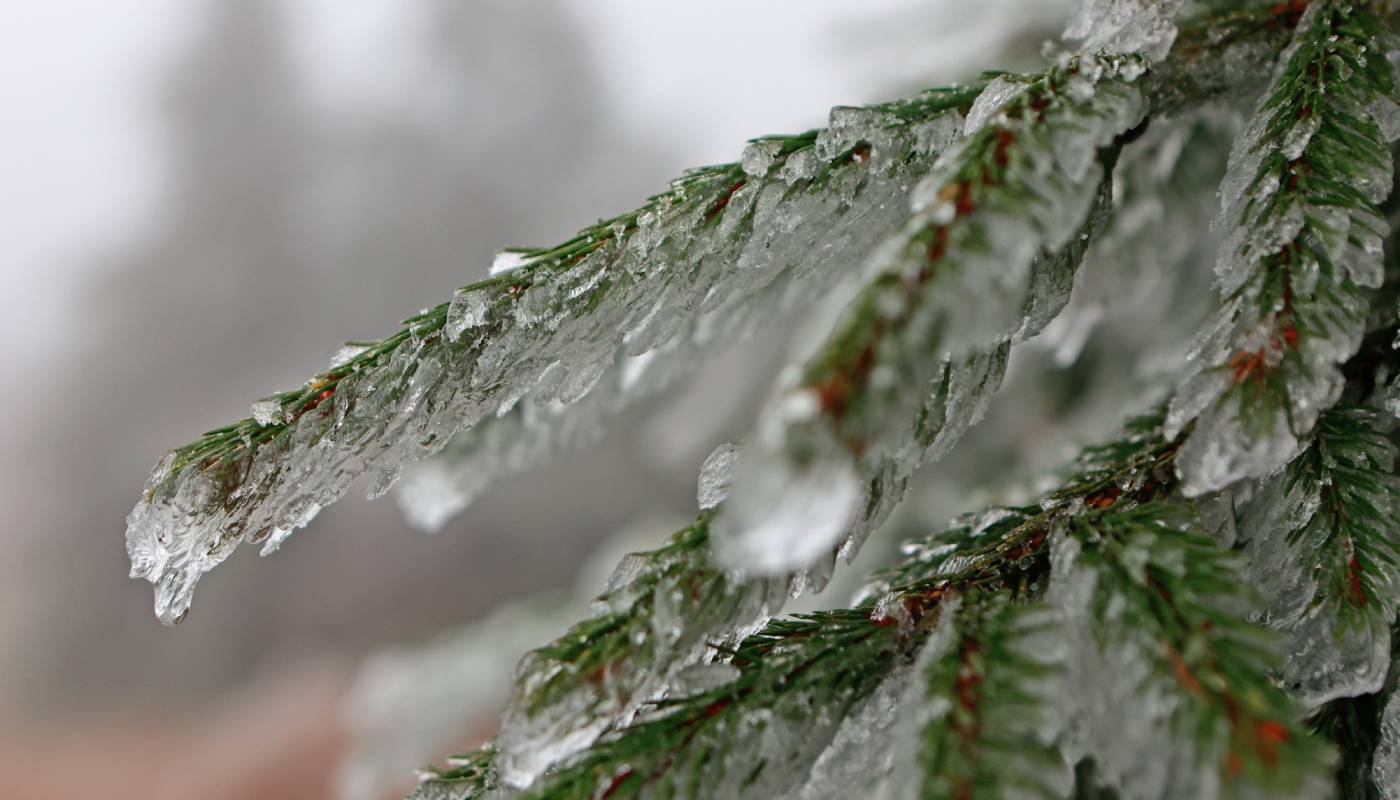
(1345, 477)
(1174, 593)
(663, 611)
(1177, 593)
(1304, 250)
(989, 741)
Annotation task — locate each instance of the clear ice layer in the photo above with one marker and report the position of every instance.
(870, 418)
(626, 310)
(1295, 342)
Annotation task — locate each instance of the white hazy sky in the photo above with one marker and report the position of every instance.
(80, 162)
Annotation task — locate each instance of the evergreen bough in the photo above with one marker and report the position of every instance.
(1201, 608)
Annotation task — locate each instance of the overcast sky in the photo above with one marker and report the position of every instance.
(79, 81)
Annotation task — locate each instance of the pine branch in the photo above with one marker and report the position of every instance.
(1305, 249)
(874, 635)
(1177, 604)
(661, 693)
(1347, 475)
(549, 326)
(1172, 597)
(989, 741)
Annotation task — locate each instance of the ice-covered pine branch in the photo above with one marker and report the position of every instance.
(1324, 555)
(621, 308)
(1304, 249)
(726, 249)
(1202, 609)
(1139, 601)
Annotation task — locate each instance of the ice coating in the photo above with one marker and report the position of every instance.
(663, 609)
(1126, 26)
(861, 753)
(1296, 265)
(1385, 763)
(783, 249)
(786, 522)
(1320, 540)
(1147, 275)
(1135, 754)
(959, 284)
(753, 247)
(978, 707)
(1326, 660)
(1106, 573)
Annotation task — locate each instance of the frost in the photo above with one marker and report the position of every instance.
(716, 475)
(1125, 26)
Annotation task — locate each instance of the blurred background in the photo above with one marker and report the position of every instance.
(202, 200)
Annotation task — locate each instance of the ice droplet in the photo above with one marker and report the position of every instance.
(700, 678)
(715, 476)
(997, 93)
(759, 157)
(1297, 139)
